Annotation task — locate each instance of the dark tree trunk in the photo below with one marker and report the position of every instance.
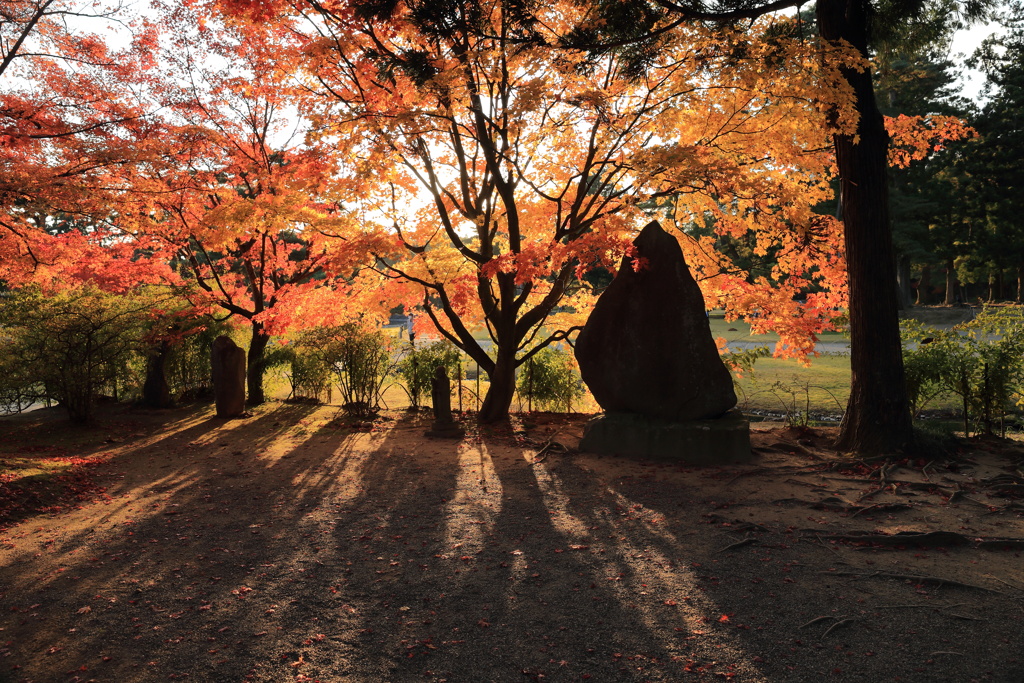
(905, 300)
(878, 416)
(951, 283)
(498, 399)
(991, 286)
(1020, 284)
(924, 286)
(156, 392)
(256, 364)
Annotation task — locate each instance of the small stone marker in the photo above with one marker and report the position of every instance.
(648, 356)
(440, 395)
(227, 364)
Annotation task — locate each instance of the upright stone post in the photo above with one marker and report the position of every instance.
(441, 397)
(227, 365)
(648, 357)
(156, 392)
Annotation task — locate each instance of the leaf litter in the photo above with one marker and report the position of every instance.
(347, 554)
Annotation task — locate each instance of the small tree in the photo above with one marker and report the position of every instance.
(309, 372)
(981, 362)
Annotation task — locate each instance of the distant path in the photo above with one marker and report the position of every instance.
(820, 347)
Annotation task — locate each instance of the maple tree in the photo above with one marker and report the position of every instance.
(234, 200)
(71, 115)
(508, 169)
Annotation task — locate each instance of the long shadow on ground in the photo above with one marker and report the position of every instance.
(290, 546)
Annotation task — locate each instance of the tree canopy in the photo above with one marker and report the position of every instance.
(486, 163)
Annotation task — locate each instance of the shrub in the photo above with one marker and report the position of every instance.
(71, 346)
(310, 373)
(549, 380)
(981, 361)
(359, 358)
(188, 367)
(924, 363)
(418, 365)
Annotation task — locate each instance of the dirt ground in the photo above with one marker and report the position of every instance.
(296, 545)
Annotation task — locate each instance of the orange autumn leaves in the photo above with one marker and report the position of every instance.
(477, 173)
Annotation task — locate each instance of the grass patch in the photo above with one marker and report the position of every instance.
(780, 385)
(785, 386)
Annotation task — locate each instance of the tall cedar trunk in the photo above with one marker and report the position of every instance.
(878, 416)
(255, 364)
(951, 283)
(156, 392)
(924, 286)
(498, 399)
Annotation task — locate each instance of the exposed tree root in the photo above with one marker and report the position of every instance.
(739, 544)
(919, 578)
(838, 624)
(931, 539)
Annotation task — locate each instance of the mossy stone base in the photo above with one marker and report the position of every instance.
(719, 441)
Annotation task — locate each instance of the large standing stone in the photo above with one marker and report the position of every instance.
(647, 347)
(227, 363)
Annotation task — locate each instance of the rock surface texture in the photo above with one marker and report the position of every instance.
(647, 347)
(441, 395)
(227, 364)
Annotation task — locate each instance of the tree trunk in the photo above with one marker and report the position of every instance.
(1020, 284)
(256, 364)
(905, 299)
(924, 286)
(951, 283)
(991, 286)
(156, 393)
(499, 396)
(877, 418)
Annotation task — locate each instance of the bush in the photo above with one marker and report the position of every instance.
(417, 367)
(549, 380)
(70, 346)
(981, 361)
(359, 359)
(19, 389)
(310, 373)
(188, 368)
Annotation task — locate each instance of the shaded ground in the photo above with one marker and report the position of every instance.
(295, 546)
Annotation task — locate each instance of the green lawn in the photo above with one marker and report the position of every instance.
(786, 386)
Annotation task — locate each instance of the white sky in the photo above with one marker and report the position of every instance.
(964, 44)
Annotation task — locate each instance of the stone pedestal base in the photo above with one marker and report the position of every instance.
(698, 442)
(446, 430)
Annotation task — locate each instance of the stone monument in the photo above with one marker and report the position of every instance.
(227, 364)
(441, 398)
(648, 357)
